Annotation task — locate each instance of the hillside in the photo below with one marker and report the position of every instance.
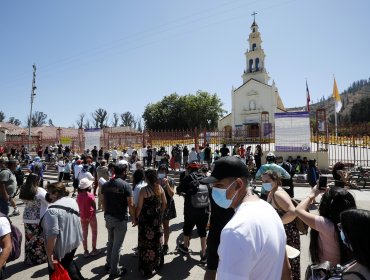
(352, 98)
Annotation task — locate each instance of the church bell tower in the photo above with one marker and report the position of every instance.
(255, 57)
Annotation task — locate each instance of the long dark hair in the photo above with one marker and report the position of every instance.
(151, 178)
(356, 228)
(333, 202)
(29, 189)
(137, 177)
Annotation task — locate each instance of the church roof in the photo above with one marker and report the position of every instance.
(251, 80)
(225, 116)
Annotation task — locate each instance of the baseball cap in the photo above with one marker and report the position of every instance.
(226, 167)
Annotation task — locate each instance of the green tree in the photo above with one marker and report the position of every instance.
(202, 110)
(361, 111)
(115, 119)
(80, 122)
(38, 119)
(14, 121)
(128, 119)
(2, 116)
(100, 118)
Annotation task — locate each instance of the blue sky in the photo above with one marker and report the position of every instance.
(122, 55)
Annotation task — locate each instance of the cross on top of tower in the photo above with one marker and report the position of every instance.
(254, 16)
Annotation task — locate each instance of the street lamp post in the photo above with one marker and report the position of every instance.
(32, 97)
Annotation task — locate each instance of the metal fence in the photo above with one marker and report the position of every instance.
(352, 145)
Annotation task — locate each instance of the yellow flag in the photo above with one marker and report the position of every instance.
(337, 100)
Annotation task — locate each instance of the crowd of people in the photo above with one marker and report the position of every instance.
(242, 235)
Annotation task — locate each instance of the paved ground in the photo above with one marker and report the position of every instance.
(176, 265)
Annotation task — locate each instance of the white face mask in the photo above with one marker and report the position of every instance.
(267, 186)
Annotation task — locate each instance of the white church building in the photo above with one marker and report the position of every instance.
(255, 102)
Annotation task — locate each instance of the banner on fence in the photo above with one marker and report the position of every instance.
(92, 138)
(65, 140)
(292, 132)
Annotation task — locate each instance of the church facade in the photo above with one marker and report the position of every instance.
(255, 102)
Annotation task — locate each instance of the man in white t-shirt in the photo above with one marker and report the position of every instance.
(5, 243)
(114, 154)
(252, 244)
(144, 154)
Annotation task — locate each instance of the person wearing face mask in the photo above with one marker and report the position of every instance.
(283, 205)
(271, 165)
(62, 230)
(168, 185)
(252, 244)
(325, 244)
(194, 214)
(354, 232)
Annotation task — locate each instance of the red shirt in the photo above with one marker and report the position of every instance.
(85, 203)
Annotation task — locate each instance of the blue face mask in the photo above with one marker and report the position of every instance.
(344, 239)
(267, 186)
(219, 196)
(161, 175)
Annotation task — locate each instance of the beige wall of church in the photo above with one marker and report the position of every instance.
(264, 98)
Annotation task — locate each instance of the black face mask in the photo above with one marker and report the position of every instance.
(47, 198)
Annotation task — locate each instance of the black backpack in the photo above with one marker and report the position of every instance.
(200, 194)
(16, 237)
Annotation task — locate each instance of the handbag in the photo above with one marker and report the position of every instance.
(60, 273)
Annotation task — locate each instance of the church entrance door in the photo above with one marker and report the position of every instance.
(253, 130)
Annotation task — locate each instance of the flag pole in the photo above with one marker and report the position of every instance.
(335, 115)
(336, 122)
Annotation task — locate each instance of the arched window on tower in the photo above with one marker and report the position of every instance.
(257, 64)
(254, 47)
(250, 67)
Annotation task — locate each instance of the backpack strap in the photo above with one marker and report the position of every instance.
(68, 209)
(358, 274)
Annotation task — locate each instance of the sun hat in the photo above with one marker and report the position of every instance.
(85, 184)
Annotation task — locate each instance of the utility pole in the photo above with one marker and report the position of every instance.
(32, 97)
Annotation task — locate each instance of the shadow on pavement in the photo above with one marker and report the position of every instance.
(20, 266)
(176, 227)
(178, 268)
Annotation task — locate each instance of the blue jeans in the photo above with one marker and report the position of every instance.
(116, 234)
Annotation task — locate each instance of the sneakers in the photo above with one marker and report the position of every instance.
(203, 259)
(165, 249)
(86, 254)
(107, 268)
(183, 249)
(15, 213)
(122, 272)
(95, 252)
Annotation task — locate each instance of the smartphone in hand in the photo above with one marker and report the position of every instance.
(323, 181)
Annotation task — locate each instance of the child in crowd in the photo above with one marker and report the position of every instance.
(87, 205)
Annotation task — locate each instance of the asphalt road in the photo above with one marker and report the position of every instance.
(176, 265)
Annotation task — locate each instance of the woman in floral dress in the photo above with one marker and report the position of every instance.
(281, 201)
(152, 202)
(35, 207)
